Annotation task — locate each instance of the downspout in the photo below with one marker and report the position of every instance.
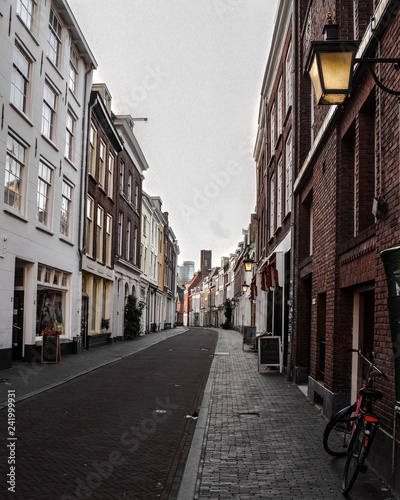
(292, 223)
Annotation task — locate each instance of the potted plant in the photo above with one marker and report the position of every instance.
(105, 324)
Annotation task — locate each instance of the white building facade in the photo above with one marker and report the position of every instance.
(45, 80)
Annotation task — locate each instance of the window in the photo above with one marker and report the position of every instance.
(288, 174)
(65, 213)
(51, 306)
(121, 177)
(279, 194)
(312, 114)
(128, 240)
(99, 235)
(49, 111)
(92, 151)
(15, 162)
(272, 207)
(20, 79)
(108, 239)
(54, 40)
(279, 108)
(25, 9)
(69, 138)
(110, 188)
(129, 193)
(272, 130)
(144, 225)
(89, 226)
(288, 79)
(135, 246)
(73, 71)
(102, 164)
(137, 196)
(43, 205)
(120, 229)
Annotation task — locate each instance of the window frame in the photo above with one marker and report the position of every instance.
(65, 221)
(44, 193)
(48, 127)
(110, 173)
(73, 70)
(55, 36)
(89, 225)
(69, 152)
(25, 10)
(288, 173)
(92, 149)
(18, 74)
(109, 229)
(99, 233)
(102, 163)
(21, 162)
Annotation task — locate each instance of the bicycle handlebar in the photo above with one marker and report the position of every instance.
(379, 373)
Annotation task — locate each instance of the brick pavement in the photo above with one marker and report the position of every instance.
(116, 432)
(263, 438)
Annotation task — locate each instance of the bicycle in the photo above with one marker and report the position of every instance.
(362, 439)
(340, 428)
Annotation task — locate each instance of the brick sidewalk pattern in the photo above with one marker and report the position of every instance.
(264, 438)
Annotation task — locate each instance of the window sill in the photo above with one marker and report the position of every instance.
(44, 229)
(66, 240)
(70, 163)
(22, 114)
(74, 96)
(56, 69)
(15, 213)
(28, 30)
(49, 141)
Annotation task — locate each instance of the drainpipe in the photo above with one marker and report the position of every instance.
(292, 224)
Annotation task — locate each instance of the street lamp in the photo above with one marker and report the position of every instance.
(248, 263)
(245, 286)
(330, 65)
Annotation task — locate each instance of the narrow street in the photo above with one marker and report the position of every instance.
(125, 430)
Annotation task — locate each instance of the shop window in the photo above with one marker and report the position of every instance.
(49, 311)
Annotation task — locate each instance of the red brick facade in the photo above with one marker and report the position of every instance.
(346, 157)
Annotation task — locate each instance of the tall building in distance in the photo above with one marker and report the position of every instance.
(185, 272)
(205, 261)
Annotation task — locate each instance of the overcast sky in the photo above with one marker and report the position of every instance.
(194, 68)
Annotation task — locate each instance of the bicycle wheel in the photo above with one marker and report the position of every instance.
(355, 458)
(337, 434)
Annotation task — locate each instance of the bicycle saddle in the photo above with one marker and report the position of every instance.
(370, 393)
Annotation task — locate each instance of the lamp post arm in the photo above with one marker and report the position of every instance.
(369, 63)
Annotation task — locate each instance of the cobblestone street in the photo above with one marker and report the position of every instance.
(264, 437)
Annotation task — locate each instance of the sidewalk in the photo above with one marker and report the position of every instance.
(259, 437)
(29, 379)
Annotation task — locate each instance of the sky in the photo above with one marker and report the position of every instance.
(194, 69)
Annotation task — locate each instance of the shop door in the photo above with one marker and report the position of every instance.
(18, 324)
(84, 321)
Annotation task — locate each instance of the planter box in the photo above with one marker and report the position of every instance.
(98, 339)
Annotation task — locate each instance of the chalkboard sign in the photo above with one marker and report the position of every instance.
(249, 335)
(269, 352)
(51, 350)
